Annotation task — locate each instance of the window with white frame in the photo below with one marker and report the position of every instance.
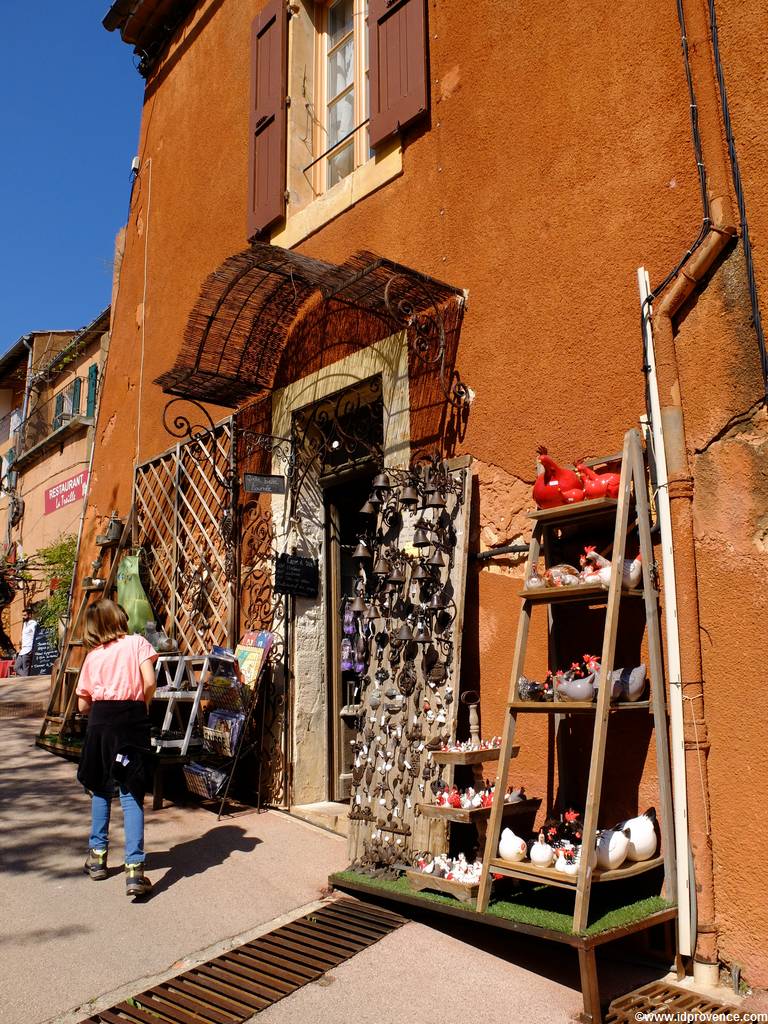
(342, 137)
(327, 96)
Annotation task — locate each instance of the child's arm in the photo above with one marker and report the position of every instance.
(147, 669)
(83, 703)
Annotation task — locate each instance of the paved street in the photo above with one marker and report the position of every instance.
(71, 945)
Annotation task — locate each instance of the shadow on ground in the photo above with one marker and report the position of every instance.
(184, 860)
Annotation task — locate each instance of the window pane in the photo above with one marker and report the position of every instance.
(341, 68)
(341, 164)
(339, 21)
(341, 118)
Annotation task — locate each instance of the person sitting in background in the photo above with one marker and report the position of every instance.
(28, 630)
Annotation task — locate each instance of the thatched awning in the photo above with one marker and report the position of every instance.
(258, 301)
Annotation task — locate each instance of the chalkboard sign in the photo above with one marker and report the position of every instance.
(297, 575)
(255, 483)
(44, 653)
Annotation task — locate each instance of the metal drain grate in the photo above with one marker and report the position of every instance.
(236, 985)
(661, 998)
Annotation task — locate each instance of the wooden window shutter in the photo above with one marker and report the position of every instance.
(93, 379)
(268, 117)
(76, 388)
(398, 65)
(58, 411)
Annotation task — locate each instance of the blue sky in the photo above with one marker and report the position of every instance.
(71, 104)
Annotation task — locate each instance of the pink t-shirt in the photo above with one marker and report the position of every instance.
(111, 672)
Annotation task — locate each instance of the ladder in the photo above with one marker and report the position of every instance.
(549, 526)
(181, 679)
(61, 707)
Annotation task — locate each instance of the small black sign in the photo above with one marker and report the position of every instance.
(297, 575)
(255, 483)
(44, 653)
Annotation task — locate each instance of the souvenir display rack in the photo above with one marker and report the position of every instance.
(632, 486)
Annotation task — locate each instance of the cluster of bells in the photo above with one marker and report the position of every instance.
(391, 573)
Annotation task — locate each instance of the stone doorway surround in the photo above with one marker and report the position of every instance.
(387, 359)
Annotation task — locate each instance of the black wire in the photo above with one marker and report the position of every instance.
(756, 318)
(706, 222)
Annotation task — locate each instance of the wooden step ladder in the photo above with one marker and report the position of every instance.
(61, 707)
(633, 482)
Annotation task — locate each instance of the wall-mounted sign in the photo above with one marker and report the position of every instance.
(297, 574)
(66, 492)
(255, 483)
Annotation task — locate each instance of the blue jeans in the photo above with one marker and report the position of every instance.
(133, 823)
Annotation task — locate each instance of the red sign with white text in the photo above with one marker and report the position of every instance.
(66, 492)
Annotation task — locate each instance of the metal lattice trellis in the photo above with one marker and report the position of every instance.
(185, 528)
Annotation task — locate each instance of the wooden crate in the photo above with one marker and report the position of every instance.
(419, 881)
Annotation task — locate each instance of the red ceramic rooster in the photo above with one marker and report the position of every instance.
(598, 485)
(554, 485)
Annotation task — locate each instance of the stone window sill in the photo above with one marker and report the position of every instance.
(384, 167)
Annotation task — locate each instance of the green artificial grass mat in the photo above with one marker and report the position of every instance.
(540, 906)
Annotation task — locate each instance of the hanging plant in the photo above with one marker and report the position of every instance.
(56, 566)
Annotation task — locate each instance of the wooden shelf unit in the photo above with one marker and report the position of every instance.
(632, 488)
(471, 815)
(468, 756)
(595, 593)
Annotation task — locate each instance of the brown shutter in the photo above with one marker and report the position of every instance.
(398, 65)
(268, 121)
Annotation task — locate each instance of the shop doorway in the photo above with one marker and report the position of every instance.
(346, 653)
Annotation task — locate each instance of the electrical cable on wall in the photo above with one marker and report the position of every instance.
(701, 170)
(745, 240)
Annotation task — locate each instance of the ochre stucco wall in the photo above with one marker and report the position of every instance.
(558, 158)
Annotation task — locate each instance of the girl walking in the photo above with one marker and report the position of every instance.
(115, 688)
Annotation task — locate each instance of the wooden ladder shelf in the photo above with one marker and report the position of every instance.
(633, 481)
(61, 707)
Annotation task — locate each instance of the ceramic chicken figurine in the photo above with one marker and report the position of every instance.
(541, 853)
(598, 485)
(572, 686)
(561, 575)
(512, 847)
(628, 683)
(642, 835)
(612, 846)
(630, 578)
(555, 485)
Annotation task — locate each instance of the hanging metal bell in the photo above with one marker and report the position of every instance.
(382, 566)
(381, 482)
(436, 558)
(420, 538)
(358, 604)
(405, 632)
(437, 601)
(362, 550)
(368, 509)
(434, 501)
(409, 495)
(371, 613)
(396, 575)
(420, 573)
(422, 634)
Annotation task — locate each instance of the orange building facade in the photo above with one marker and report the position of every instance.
(549, 157)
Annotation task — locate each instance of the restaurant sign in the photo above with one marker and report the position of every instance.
(66, 492)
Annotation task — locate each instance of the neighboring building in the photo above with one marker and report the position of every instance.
(53, 386)
(514, 166)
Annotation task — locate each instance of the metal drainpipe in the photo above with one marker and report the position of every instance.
(681, 486)
(681, 482)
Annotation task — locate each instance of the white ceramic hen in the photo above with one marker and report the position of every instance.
(612, 847)
(541, 853)
(512, 847)
(642, 835)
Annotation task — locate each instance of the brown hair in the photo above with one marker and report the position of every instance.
(104, 621)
